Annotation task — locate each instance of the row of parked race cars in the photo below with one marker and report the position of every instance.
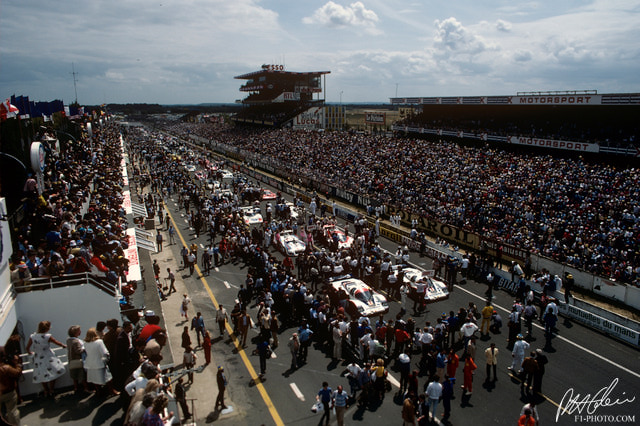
(357, 297)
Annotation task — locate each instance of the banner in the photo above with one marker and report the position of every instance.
(572, 99)
(311, 119)
(594, 321)
(375, 118)
(131, 253)
(564, 99)
(554, 144)
(287, 97)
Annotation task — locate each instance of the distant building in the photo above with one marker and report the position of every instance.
(279, 98)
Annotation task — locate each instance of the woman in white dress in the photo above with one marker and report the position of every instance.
(47, 367)
(96, 362)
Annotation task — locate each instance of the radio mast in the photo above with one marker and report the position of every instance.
(74, 74)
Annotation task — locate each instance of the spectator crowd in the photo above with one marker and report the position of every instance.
(579, 213)
(76, 223)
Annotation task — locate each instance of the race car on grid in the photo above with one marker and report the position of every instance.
(357, 298)
(420, 282)
(289, 243)
(268, 195)
(251, 215)
(332, 234)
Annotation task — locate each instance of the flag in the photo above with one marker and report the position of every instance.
(8, 110)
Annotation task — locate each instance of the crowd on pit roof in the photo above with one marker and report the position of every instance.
(61, 233)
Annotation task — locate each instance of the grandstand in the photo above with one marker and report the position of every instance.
(578, 121)
(279, 98)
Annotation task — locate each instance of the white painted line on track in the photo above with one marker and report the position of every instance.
(393, 380)
(296, 391)
(564, 339)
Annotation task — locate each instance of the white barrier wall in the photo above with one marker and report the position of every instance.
(632, 298)
(82, 305)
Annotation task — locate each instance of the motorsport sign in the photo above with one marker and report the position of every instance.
(554, 143)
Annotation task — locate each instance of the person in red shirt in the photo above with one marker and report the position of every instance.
(288, 264)
(469, 367)
(526, 419)
(151, 327)
(402, 338)
(453, 361)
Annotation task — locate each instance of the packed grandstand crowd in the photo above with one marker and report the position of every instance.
(579, 213)
(77, 223)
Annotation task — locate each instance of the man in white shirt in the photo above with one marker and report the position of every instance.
(364, 346)
(552, 307)
(464, 266)
(434, 392)
(520, 348)
(467, 330)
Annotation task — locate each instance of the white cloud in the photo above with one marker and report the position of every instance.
(188, 51)
(452, 35)
(115, 76)
(502, 25)
(335, 15)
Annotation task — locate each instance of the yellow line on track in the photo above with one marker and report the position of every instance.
(513, 376)
(243, 355)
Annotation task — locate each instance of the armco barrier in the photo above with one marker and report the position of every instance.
(599, 323)
(592, 316)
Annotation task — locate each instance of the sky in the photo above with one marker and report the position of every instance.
(189, 51)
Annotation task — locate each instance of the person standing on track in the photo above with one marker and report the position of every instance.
(469, 367)
(171, 277)
(221, 318)
(486, 313)
(222, 386)
(324, 396)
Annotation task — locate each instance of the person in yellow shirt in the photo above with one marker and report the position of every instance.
(486, 313)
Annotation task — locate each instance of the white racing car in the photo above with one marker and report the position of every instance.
(294, 211)
(289, 243)
(334, 234)
(357, 298)
(422, 282)
(251, 215)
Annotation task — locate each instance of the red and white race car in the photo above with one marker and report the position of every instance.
(357, 298)
(268, 195)
(332, 234)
